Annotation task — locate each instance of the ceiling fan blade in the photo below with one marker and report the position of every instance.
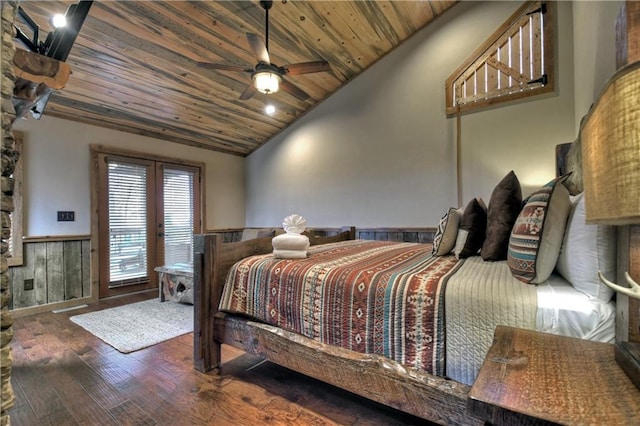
(223, 67)
(248, 92)
(307, 67)
(294, 90)
(259, 48)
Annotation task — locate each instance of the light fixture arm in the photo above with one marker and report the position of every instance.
(632, 291)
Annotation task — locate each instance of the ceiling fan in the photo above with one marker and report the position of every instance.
(267, 77)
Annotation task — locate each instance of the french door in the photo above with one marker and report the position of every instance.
(148, 213)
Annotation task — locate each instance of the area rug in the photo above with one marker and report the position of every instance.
(132, 327)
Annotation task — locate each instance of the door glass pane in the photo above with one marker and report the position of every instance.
(127, 223)
(178, 216)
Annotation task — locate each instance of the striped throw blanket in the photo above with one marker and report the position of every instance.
(380, 297)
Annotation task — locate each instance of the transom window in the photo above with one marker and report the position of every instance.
(515, 62)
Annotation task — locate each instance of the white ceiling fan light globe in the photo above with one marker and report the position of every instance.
(270, 109)
(267, 82)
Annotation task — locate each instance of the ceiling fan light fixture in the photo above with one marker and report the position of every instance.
(267, 82)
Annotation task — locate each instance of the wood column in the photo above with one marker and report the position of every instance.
(628, 308)
(628, 51)
(634, 271)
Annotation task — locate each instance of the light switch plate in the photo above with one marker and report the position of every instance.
(66, 216)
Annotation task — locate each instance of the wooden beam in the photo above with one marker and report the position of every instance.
(38, 68)
(374, 377)
(36, 78)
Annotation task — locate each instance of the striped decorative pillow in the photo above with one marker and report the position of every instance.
(536, 237)
(445, 237)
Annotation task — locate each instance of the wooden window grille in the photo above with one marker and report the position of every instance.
(514, 63)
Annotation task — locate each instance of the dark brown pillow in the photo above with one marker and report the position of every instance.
(504, 206)
(473, 228)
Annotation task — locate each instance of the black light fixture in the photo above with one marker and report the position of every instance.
(58, 43)
(56, 46)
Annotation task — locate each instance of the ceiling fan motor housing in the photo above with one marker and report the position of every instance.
(266, 77)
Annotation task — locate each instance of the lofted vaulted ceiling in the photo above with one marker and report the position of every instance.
(134, 63)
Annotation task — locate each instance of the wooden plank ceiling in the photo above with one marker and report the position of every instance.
(134, 63)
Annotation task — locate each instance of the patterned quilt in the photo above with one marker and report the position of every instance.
(380, 297)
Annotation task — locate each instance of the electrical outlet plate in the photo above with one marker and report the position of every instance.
(28, 284)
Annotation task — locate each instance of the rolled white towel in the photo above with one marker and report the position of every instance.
(294, 224)
(289, 254)
(291, 242)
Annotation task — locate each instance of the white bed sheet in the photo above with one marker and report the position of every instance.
(482, 295)
(565, 311)
(479, 297)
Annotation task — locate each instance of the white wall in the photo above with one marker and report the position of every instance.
(594, 51)
(56, 174)
(381, 152)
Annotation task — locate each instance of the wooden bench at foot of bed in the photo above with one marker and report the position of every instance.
(373, 377)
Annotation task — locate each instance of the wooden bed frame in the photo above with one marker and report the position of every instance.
(377, 378)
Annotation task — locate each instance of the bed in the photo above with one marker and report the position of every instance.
(422, 365)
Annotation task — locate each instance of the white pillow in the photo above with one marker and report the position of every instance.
(461, 240)
(585, 250)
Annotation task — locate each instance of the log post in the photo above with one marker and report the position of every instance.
(36, 78)
(38, 68)
(628, 309)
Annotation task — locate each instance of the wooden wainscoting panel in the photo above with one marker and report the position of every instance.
(409, 235)
(72, 269)
(60, 271)
(55, 271)
(86, 267)
(39, 272)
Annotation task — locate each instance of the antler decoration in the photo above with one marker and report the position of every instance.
(632, 291)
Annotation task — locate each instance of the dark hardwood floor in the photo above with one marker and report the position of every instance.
(63, 375)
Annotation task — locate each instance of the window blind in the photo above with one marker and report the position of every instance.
(127, 192)
(178, 216)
